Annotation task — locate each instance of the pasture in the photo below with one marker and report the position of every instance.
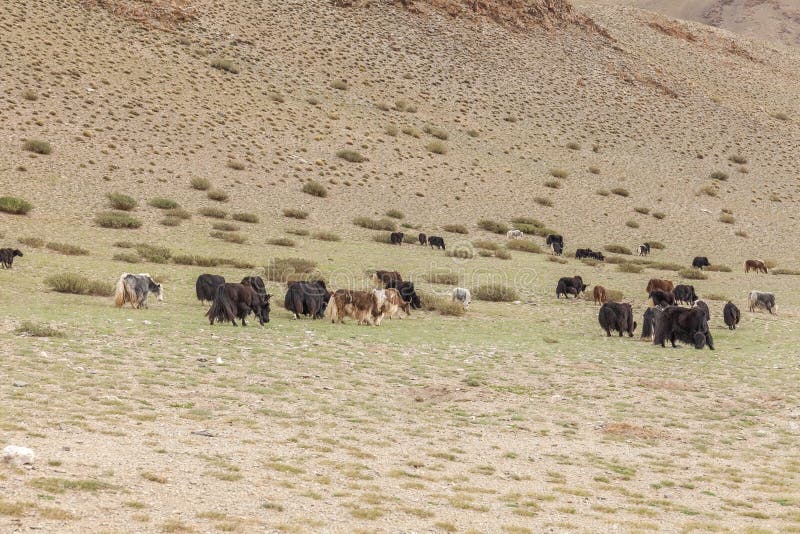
(517, 417)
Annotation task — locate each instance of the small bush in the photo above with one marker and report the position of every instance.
(444, 305)
(618, 249)
(572, 145)
(285, 269)
(692, 274)
(553, 184)
(236, 165)
(438, 133)
(493, 226)
(771, 264)
(122, 202)
(315, 189)
(127, 257)
(392, 130)
(37, 146)
(225, 227)
(632, 224)
(791, 272)
(485, 245)
(462, 253)
(230, 237)
(559, 173)
(727, 219)
(557, 259)
(502, 254)
(621, 191)
(201, 184)
(386, 237)
(217, 194)
(738, 159)
(614, 295)
(214, 213)
(657, 245)
(386, 225)
(280, 242)
(178, 213)
(30, 95)
(741, 233)
(327, 236)
(395, 214)
(410, 130)
(163, 203)
(659, 215)
(523, 245)
(341, 85)
(594, 170)
(603, 192)
(297, 231)
(643, 211)
(15, 206)
(629, 268)
(30, 328)
(495, 293)
(718, 268)
(455, 229)
(114, 219)
(405, 106)
(527, 220)
(352, 156)
(225, 64)
(295, 213)
(437, 147)
(664, 266)
(69, 250)
(33, 242)
(79, 285)
(442, 277)
(719, 175)
(543, 201)
(153, 253)
(708, 190)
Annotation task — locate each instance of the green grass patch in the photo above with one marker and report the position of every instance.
(118, 220)
(163, 203)
(523, 245)
(214, 213)
(118, 201)
(66, 249)
(495, 293)
(15, 206)
(386, 225)
(29, 328)
(495, 227)
(79, 285)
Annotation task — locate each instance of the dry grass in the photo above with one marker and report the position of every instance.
(230, 237)
(113, 219)
(122, 202)
(163, 203)
(524, 245)
(327, 236)
(295, 213)
(455, 229)
(79, 285)
(37, 146)
(214, 213)
(437, 147)
(285, 269)
(200, 184)
(67, 249)
(618, 249)
(692, 274)
(30, 328)
(495, 293)
(218, 195)
(353, 156)
(443, 277)
(386, 225)
(315, 189)
(495, 227)
(15, 206)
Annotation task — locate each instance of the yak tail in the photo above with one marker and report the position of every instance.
(119, 294)
(332, 311)
(222, 308)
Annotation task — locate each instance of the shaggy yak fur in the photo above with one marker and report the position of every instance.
(688, 325)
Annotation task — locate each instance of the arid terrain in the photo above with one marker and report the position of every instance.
(249, 133)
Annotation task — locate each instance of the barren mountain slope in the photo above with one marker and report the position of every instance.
(654, 109)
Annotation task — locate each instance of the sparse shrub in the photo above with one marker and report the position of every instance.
(708, 190)
(643, 211)
(179, 213)
(230, 237)
(225, 227)
(502, 254)
(15, 206)
(127, 257)
(201, 184)
(352, 156)
(542, 201)
(727, 219)
(495, 293)
(485, 245)
(341, 85)
(30, 95)
(163, 203)
(33, 242)
(632, 224)
(524, 245)
(297, 231)
(665, 266)
(183, 259)
(69, 250)
(442, 277)
(386, 225)
(285, 269)
(741, 233)
(30, 328)
(410, 130)
(217, 194)
(472, 133)
(780, 116)
(493, 226)
(485, 253)
(553, 184)
(276, 97)
(327, 236)
(771, 264)
(455, 229)
(225, 64)
(392, 130)
(527, 220)
(122, 202)
(657, 245)
(79, 285)
(791, 272)
(444, 305)
(557, 259)
(738, 159)
(37, 146)
(437, 147)
(719, 175)
(594, 170)
(617, 249)
(629, 268)
(235, 165)
(214, 213)
(295, 213)
(559, 173)
(315, 189)
(621, 191)
(718, 268)
(395, 214)
(572, 145)
(280, 242)
(603, 192)
(692, 274)
(115, 219)
(659, 215)
(614, 295)
(438, 133)
(461, 253)
(153, 253)
(405, 106)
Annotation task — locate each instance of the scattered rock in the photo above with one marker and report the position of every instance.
(16, 455)
(19, 384)
(204, 432)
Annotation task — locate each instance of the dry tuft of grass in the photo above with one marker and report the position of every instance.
(395, 214)
(15, 206)
(79, 285)
(230, 237)
(285, 269)
(163, 203)
(121, 202)
(214, 213)
(37, 146)
(386, 225)
(315, 189)
(438, 133)
(117, 220)
(523, 245)
(621, 191)
(495, 227)
(437, 147)
(559, 173)
(659, 215)
(341, 85)
(617, 249)
(353, 156)
(629, 268)
(235, 165)
(643, 211)
(201, 184)
(727, 218)
(455, 229)
(226, 65)
(280, 242)
(542, 201)
(495, 293)
(553, 184)
(33, 242)
(225, 227)
(631, 224)
(444, 305)
(250, 218)
(692, 274)
(217, 194)
(326, 236)
(29, 328)
(67, 249)
(718, 268)
(719, 175)
(443, 277)
(295, 213)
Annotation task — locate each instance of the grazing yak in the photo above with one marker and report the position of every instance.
(700, 261)
(257, 283)
(664, 285)
(582, 253)
(514, 234)
(558, 249)
(423, 239)
(761, 299)
(689, 325)
(7, 256)
(555, 242)
(462, 295)
(758, 266)
(306, 298)
(662, 298)
(617, 316)
(234, 301)
(436, 241)
(684, 294)
(731, 315)
(134, 288)
(407, 292)
(701, 305)
(384, 278)
(206, 286)
(570, 286)
(644, 249)
(648, 323)
(396, 238)
(362, 306)
(599, 295)
(390, 303)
